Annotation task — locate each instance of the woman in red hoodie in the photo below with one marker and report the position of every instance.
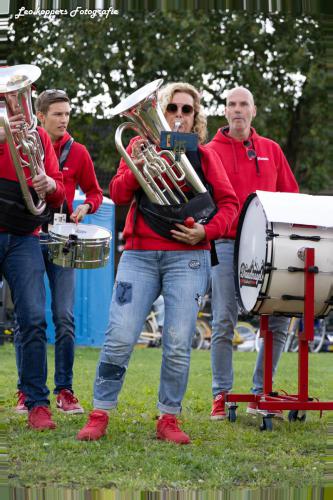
(176, 265)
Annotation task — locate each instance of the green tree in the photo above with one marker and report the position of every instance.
(280, 58)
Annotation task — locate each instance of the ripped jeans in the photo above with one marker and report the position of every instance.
(182, 277)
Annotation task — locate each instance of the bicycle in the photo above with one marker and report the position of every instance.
(151, 335)
(296, 326)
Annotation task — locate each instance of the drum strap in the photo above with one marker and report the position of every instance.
(14, 216)
(64, 207)
(65, 153)
(162, 218)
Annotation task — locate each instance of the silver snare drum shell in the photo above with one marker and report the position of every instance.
(80, 246)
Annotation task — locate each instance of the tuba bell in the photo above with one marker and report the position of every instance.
(15, 97)
(148, 121)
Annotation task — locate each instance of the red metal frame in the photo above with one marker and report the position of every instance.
(269, 400)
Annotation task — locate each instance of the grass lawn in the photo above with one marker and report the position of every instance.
(222, 455)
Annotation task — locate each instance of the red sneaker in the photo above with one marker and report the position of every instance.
(68, 403)
(252, 409)
(218, 408)
(20, 407)
(40, 418)
(96, 426)
(168, 430)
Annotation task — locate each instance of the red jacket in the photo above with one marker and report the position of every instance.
(142, 237)
(7, 170)
(274, 173)
(79, 170)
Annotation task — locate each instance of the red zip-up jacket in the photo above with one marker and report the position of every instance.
(7, 171)
(79, 170)
(271, 172)
(140, 236)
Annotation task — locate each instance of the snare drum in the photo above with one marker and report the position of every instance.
(273, 231)
(82, 246)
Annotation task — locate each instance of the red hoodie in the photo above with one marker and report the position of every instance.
(142, 237)
(271, 171)
(79, 170)
(7, 170)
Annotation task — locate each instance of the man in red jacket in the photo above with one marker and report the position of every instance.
(21, 260)
(252, 163)
(53, 111)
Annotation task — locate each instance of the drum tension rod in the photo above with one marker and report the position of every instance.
(311, 269)
(292, 297)
(301, 237)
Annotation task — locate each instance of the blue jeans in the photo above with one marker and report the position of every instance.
(21, 263)
(225, 315)
(182, 277)
(62, 286)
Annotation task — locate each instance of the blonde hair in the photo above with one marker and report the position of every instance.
(165, 96)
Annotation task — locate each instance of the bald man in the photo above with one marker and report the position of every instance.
(252, 162)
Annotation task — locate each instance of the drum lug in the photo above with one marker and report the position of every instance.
(293, 269)
(292, 297)
(262, 296)
(268, 268)
(72, 241)
(271, 234)
(302, 237)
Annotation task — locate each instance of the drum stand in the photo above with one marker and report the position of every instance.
(269, 401)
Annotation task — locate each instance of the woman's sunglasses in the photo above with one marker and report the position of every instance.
(186, 109)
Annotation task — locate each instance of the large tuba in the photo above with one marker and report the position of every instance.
(148, 121)
(15, 96)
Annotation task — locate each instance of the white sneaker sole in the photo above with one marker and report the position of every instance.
(71, 412)
(21, 412)
(218, 417)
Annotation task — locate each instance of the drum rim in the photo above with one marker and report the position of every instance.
(62, 237)
(236, 250)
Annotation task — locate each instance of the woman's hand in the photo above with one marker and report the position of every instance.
(136, 154)
(189, 235)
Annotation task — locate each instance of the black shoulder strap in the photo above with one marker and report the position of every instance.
(195, 159)
(65, 153)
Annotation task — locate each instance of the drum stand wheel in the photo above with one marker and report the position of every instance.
(267, 423)
(232, 415)
(297, 415)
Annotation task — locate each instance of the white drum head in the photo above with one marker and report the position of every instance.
(82, 231)
(250, 254)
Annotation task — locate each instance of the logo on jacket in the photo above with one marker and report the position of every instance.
(263, 158)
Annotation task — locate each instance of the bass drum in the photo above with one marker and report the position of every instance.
(81, 246)
(268, 253)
